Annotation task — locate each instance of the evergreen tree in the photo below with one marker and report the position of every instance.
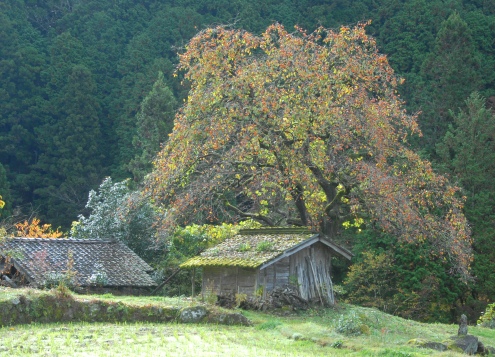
(71, 160)
(154, 122)
(468, 152)
(5, 196)
(482, 28)
(148, 52)
(23, 98)
(450, 74)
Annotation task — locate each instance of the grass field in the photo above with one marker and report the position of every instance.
(344, 330)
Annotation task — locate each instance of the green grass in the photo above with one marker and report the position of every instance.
(309, 333)
(180, 301)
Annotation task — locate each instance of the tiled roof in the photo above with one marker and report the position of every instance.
(251, 248)
(120, 266)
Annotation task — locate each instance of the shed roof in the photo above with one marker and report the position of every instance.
(35, 257)
(253, 248)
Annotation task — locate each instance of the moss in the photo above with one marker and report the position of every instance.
(45, 308)
(451, 346)
(223, 261)
(237, 252)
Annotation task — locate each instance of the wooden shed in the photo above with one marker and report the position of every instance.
(255, 261)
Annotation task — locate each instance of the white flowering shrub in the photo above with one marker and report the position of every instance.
(108, 213)
(117, 213)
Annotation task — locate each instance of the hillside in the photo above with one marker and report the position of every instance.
(310, 333)
(75, 74)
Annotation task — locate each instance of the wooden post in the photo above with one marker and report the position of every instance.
(193, 280)
(315, 278)
(264, 283)
(165, 282)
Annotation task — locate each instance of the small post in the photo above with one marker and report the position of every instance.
(192, 280)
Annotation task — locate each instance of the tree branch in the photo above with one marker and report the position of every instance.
(258, 217)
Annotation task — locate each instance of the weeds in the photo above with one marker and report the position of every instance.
(269, 325)
(240, 299)
(264, 246)
(352, 325)
(62, 291)
(244, 247)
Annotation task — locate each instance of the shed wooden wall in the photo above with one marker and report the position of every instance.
(275, 275)
(312, 266)
(310, 269)
(229, 280)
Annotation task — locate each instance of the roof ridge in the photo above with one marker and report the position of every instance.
(62, 240)
(275, 230)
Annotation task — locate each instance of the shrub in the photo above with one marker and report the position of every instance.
(402, 279)
(99, 278)
(34, 229)
(487, 319)
(352, 325)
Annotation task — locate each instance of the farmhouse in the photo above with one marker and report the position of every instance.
(90, 265)
(256, 261)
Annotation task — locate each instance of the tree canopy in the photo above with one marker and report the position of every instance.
(306, 129)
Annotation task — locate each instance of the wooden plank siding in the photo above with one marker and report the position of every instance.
(308, 268)
(229, 280)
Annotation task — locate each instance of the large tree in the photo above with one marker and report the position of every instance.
(154, 122)
(450, 73)
(71, 158)
(467, 151)
(302, 129)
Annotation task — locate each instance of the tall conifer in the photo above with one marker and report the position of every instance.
(450, 74)
(154, 122)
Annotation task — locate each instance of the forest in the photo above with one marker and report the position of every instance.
(90, 91)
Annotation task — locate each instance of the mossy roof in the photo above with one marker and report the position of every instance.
(250, 248)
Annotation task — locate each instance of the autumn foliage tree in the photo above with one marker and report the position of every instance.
(34, 229)
(302, 129)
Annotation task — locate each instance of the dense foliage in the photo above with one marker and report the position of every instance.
(74, 74)
(409, 279)
(34, 229)
(467, 151)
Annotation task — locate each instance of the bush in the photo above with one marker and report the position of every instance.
(487, 319)
(403, 279)
(352, 325)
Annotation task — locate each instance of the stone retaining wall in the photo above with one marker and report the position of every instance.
(47, 308)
